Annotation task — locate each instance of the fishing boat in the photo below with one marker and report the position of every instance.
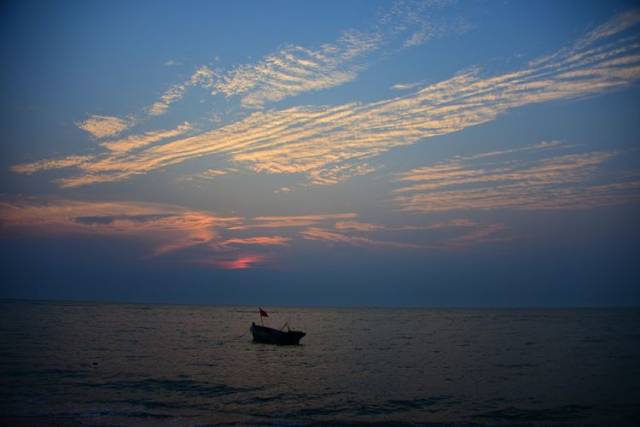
(268, 335)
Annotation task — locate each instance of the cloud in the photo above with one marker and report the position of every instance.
(406, 86)
(119, 148)
(135, 142)
(454, 234)
(103, 126)
(258, 240)
(417, 22)
(315, 233)
(207, 175)
(163, 230)
(238, 263)
(202, 77)
(296, 69)
(334, 143)
(293, 221)
(47, 164)
(282, 190)
(482, 182)
(356, 225)
(489, 233)
(176, 234)
(166, 228)
(617, 24)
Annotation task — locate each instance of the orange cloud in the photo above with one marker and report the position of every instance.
(355, 225)
(135, 142)
(314, 233)
(293, 221)
(103, 126)
(166, 228)
(241, 263)
(257, 240)
(563, 181)
(331, 144)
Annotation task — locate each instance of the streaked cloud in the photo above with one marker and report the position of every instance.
(296, 69)
(167, 228)
(406, 86)
(258, 240)
(333, 143)
(176, 234)
(494, 180)
(440, 236)
(293, 221)
(202, 77)
(207, 175)
(47, 164)
(489, 233)
(282, 190)
(356, 225)
(104, 126)
(243, 262)
(314, 233)
(135, 142)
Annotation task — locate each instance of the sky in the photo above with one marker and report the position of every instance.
(362, 153)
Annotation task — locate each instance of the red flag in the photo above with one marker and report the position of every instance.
(263, 313)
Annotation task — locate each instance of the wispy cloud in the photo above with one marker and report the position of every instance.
(494, 181)
(120, 149)
(331, 144)
(177, 234)
(293, 221)
(296, 69)
(357, 225)
(135, 142)
(488, 233)
(191, 236)
(104, 126)
(315, 233)
(47, 164)
(242, 262)
(167, 228)
(406, 86)
(416, 21)
(257, 240)
(202, 77)
(446, 235)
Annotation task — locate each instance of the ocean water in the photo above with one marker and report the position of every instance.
(155, 365)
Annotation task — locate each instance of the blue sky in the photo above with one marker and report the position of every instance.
(361, 153)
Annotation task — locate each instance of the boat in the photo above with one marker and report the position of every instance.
(268, 335)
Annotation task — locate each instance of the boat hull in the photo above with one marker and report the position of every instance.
(267, 335)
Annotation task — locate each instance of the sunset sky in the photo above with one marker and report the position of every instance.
(427, 153)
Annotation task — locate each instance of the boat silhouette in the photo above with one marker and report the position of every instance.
(264, 334)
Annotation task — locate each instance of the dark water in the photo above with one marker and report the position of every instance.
(107, 364)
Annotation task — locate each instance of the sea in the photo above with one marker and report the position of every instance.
(74, 364)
